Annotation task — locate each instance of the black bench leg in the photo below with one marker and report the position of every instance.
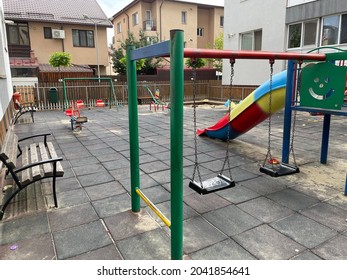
(54, 185)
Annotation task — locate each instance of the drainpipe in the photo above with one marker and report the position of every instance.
(161, 4)
(128, 20)
(62, 41)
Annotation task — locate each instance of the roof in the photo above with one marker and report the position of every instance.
(73, 68)
(58, 11)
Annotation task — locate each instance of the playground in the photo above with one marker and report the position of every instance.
(302, 216)
(130, 191)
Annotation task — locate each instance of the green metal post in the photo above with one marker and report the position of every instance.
(176, 134)
(133, 130)
(64, 96)
(111, 88)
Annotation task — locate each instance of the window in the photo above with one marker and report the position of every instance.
(47, 33)
(200, 31)
(18, 34)
(302, 34)
(184, 17)
(330, 30)
(221, 21)
(251, 41)
(148, 15)
(135, 19)
(310, 33)
(119, 27)
(83, 38)
(294, 36)
(343, 37)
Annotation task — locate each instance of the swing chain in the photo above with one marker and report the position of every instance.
(269, 155)
(196, 164)
(227, 160)
(298, 88)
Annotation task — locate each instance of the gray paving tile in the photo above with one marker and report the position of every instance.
(81, 239)
(83, 161)
(70, 198)
(104, 190)
(224, 250)
(38, 247)
(265, 209)
(146, 246)
(155, 194)
(108, 252)
(24, 227)
(60, 219)
(89, 169)
(63, 185)
(238, 194)
(198, 234)
(112, 205)
(334, 249)
(321, 192)
(328, 215)
(340, 201)
(205, 203)
(240, 174)
(231, 220)
(128, 223)
(293, 199)
(304, 230)
(93, 179)
(154, 166)
(265, 185)
(268, 244)
(306, 255)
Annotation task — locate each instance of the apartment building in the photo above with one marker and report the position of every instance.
(38, 28)
(200, 22)
(280, 25)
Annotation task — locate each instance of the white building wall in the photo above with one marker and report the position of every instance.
(5, 73)
(242, 16)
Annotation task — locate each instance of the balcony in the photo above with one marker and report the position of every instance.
(149, 25)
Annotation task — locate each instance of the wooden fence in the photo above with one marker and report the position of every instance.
(90, 91)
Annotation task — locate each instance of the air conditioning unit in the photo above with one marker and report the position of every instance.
(58, 34)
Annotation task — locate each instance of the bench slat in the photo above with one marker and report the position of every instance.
(35, 170)
(13, 151)
(47, 168)
(7, 143)
(26, 176)
(52, 152)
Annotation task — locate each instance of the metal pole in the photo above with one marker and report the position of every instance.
(133, 130)
(325, 139)
(97, 49)
(288, 112)
(176, 136)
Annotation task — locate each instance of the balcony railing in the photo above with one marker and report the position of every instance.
(149, 25)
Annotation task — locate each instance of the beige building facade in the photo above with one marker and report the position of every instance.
(201, 23)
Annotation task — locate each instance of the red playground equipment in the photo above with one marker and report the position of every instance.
(74, 112)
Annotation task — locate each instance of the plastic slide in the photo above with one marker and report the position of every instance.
(251, 111)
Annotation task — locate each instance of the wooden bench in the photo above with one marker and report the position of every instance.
(27, 164)
(23, 108)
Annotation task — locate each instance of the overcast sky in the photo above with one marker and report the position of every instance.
(111, 7)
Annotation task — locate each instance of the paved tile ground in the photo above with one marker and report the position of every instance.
(303, 216)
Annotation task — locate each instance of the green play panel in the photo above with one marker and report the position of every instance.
(323, 86)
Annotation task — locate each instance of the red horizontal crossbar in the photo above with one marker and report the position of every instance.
(213, 53)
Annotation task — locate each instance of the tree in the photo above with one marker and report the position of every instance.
(146, 66)
(60, 59)
(195, 63)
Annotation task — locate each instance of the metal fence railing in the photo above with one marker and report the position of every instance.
(212, 90)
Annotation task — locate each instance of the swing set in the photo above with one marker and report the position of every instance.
(174, 48)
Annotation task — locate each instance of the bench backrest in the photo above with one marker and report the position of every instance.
(9, 150)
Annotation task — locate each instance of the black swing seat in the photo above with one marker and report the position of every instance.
(279, 170)
(214, 184)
